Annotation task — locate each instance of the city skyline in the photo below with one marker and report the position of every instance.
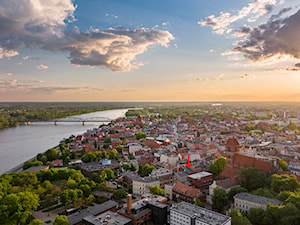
(170, 50)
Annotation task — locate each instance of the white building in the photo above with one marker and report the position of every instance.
(187, 214)
(171, 159)
(134, 147)
(140, 186)
(245, 201)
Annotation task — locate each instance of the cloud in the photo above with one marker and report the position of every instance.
(7, 53)
(296, 67)
(222, 23)
(275, 38)
(43, 25)
(42, 67)
(247, 76)
(215, 78)
(36, 86)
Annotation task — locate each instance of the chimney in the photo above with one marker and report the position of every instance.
(129, 203)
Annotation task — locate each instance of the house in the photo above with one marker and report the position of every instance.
(97, 209)
(184, 213)
(183, 192)
(245, 201)
(58, 162)
(201, 180)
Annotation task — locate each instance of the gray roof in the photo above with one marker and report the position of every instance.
(95, 210)
(136, 177)
(108, 218)
(257, 199)
(205, 215)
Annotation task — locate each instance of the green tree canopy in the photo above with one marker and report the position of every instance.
(157, 190)
(61, 220)
(145, 170)
(283, 164)
(17, 208)
(219, 199)
(264, 192)
(256, 216)
(237, 218)
(51, 154)
(252, 179)
(140, 135)
(284, 182)
(218, 166)
(119, 194)
(235, 190)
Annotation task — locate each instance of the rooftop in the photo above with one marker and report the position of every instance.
(199, 213)
(107, 218)
(95, 210)
(232, 142)
(200, 175)
(186, 190)
(256, 199)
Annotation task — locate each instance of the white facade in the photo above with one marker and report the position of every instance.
(140, 187)
(134, 148)
(245, 201)
(172, 159)
(168, 191)
(187, 214)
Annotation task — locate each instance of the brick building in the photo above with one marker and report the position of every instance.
(201, 180)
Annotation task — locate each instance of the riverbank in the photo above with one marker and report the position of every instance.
(22, 143)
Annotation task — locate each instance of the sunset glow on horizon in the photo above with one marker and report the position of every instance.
(171, 50)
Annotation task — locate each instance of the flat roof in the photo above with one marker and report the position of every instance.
(95, 210)
(107, 218)
(257, 199)
(200, 175)
(199, 213)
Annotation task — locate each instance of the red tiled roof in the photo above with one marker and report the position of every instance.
(186, 190)
(232, 142)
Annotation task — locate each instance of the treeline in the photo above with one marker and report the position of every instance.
(13, 113)
(21, 193)
(284, 187)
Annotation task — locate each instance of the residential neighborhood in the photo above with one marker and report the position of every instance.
(218, 166)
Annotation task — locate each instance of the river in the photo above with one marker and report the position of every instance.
(21, 143)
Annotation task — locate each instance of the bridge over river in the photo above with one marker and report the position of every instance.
(75, 119)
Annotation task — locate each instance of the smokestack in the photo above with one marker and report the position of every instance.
(129, 203)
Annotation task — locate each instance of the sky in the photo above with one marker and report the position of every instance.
(158, 50)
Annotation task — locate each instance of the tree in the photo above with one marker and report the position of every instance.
(113, 154)
(198, 202)
(90, 156)
(237, 218)
(284, 182)
(86, 190)
(157, 190)
(283, 164)
(219, 199)
(107, 174)
(218, 166)
(107, 140)
(256, 216)
(235, 190)
(17, 208)
(36, 222)
(120, 148)
(61, 220)
(51, 154)
(119, 194)
(145, 170)
(140, 135)
(29, 164)
(263, 192)
(252, 179)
